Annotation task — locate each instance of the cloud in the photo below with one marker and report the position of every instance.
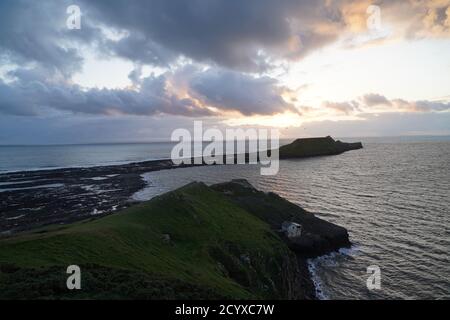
(92, 129)
(229, 90)
(36, 32)
(377, 125)
(377, 103)
(189, 91)
(37, 97)
(240, 35)
(401, 105)
(60, 129)
(422, 18)
(347, 107)
(373, 99)
(407, 18)
(429, 106)
(249, 35)
(141, 50)
(226, 33)
(223, 46)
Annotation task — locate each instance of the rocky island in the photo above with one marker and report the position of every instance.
(314, 147)
(197, 242)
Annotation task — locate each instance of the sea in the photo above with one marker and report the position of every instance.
(392, 196)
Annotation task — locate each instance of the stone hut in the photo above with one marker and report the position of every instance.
(291, 229)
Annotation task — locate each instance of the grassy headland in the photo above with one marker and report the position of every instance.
(190, 243)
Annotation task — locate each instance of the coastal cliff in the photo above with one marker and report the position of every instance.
(318, 236)
(196, 242)
(313, 147)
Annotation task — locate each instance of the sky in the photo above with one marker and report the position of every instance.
(134, 71)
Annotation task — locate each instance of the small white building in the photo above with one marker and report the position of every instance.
(291, 229)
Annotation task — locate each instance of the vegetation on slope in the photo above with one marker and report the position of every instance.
(318, 236)
(190, 243)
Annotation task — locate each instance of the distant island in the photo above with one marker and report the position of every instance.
(314, 147)
(228, 240)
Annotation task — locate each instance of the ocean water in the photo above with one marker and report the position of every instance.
(40, 157)
(392, 196)
(15, 158)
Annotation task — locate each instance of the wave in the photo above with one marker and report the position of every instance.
(329, 260)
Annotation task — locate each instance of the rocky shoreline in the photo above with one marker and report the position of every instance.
(31, 199)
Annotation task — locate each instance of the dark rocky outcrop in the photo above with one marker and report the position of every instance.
(313, 147)
(318, 236)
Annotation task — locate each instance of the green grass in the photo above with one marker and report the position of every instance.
(217, 249)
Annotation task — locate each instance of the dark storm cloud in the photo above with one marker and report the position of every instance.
(36, 97)
(235, 91)
(242, 35)
(31, 93)
(236, 34)
(36, 32)
(248, 35)
(140, 49)
(231, 36)
(13, 101)
(34, 36)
